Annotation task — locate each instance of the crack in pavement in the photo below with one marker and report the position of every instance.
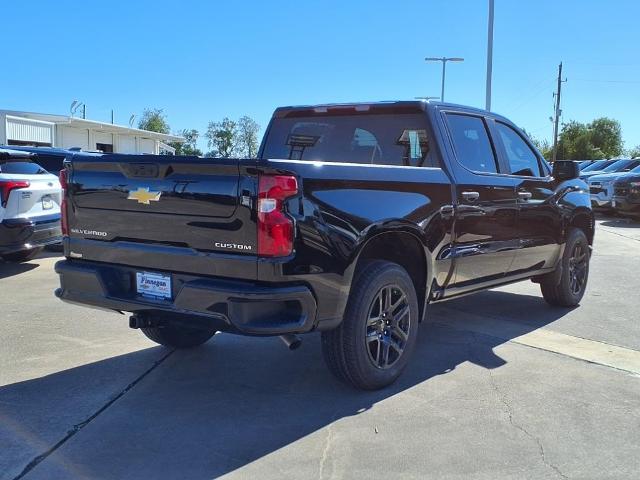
(509, 411)
(619, 234)
(79, 426)
(327, 447)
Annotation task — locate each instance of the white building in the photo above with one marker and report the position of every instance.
(40, 129)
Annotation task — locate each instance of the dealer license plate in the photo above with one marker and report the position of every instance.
(153, 285)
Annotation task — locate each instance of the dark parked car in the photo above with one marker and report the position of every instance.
(352, 220)
(626, 195)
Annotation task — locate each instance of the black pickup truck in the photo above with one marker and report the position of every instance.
(352, 220)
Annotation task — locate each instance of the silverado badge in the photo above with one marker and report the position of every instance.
(143, 195)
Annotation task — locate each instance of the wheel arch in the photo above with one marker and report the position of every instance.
(404, 247)
(583, 219)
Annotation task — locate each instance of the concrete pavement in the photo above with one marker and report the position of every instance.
(100, 401)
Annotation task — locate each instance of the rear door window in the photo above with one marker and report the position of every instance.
(471, 143)
(375, 139)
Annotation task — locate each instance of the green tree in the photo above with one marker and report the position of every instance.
(233, 138)
(154, 120)
(189, 147)
(606, 136)
(248, 142)
(222, 138)
(602, 138)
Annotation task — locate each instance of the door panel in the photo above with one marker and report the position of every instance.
(539, 224)
(539, 221)
(486, 230)
(486, 235)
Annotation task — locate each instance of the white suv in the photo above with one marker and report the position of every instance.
(29, 206)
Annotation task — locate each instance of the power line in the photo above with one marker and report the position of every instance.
(604, 81)
(536, 93)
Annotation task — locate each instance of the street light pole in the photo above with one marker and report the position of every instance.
(444, 72)
(444, 61)
(489, 56)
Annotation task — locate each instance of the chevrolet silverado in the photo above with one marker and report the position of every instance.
(351, 221)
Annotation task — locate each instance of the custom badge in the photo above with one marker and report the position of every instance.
(144, 196)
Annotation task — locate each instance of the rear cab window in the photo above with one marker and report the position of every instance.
(374, 139)
(21, 168)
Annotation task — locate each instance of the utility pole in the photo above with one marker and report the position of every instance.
(84, 111)
(556, 119)
(489, 56)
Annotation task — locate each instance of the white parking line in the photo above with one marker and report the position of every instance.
(620, 358)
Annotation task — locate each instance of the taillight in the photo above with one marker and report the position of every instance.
(64, 223)
(275, 227)
(7, 186)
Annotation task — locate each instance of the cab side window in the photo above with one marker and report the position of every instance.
(471, 143)
(522, 159)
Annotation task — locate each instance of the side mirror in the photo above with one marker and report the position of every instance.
(565, 170)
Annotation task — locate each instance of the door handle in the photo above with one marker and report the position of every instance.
(470, 196)
(524, 195)
(447, 211)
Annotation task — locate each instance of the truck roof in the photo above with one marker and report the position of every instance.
(392, 106)
(11, 153)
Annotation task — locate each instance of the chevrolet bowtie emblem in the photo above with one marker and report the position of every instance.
(143, 195)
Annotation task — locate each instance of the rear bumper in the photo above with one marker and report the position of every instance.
(241, 306)
(18, 234)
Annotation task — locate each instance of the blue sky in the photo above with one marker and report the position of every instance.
(203, 60)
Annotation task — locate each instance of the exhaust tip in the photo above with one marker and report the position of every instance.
(292, 342)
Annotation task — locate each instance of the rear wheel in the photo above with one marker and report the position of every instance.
(22, 256)
(566, 287)
(178, 336)
(372, 346)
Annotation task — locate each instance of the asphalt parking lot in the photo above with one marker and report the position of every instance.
(501, 386)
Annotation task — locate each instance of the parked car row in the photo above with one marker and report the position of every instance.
(614, 185)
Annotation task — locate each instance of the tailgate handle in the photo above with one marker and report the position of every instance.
(140, 169)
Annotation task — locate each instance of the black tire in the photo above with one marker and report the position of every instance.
(566, 286)
(177, 336)
(22, 256)
(355, 351)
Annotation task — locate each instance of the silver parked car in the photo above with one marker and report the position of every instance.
(601, 185)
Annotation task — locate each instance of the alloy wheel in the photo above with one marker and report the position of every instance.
(578, 263)
(387, 328)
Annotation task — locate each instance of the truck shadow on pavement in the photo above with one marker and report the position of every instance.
(206, 412)
(8, 269)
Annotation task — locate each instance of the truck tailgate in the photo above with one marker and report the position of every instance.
(142, 208)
